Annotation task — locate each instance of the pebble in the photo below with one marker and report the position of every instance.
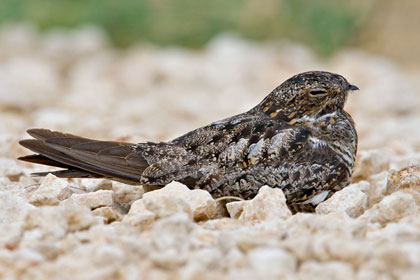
(352, 200)
(268, 204)
(94, 200)
(13, 210)
(391, 209)
(51, 191)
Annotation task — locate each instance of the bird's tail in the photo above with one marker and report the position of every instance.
(82, 157)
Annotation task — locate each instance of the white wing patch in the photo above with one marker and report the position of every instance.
(312, 119)
(276, 143)
(317, 199)
(316, 143)
(255, 149)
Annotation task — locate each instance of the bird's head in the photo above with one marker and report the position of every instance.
(309, 94)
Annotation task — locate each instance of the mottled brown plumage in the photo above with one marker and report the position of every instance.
(298, 139)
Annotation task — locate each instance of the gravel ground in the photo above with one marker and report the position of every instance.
(73, 81)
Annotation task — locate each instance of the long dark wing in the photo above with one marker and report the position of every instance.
(84, 157)
(218, 152)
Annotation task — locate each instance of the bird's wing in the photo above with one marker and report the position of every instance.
(237, 142)
(84, 157)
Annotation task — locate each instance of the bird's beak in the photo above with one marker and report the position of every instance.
(353, 87)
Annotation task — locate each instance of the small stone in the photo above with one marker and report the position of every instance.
(268, 204)
(78, 217)
(94, 200)
(170, 240)
(51, 191)
(235, 208)
(16, 261)
(392, 208)
(369, 274)
(202, 205)
(108, 255)
(406, 229)
(325, 270)
(392, 256)
(173, 198)
(13, 210)
(108, 213)
(272, 262)
(336, 223)
(350, 200)
(200, 260)
(49, 221)
(163, 205)
(405, 178)
(125, 194)
(139, 216)
(378, 187)
(95, 185)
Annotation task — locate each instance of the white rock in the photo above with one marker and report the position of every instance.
(16, 261)
(268, 204)
(170, 240)
(392, 257)
(378, 187)
(49, 221)
(405, 178)
(200, 260)
(337, 223)
(326, 271)
(163, 204)
(96, 185)
(95, 260)
(272, 262)
(77, 217)
(139, 216)
(368, 274)
(108, 213)
(51, 191)
(350, 200)
(406, 229)
(333, 247)
(235, 208)
(13, 210)
(171, 199)
(94, 200)
(108, 255)
(202, 204)
(392, 208)
(125, 194)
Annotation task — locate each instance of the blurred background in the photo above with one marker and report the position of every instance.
(139, 70)
(384, 27)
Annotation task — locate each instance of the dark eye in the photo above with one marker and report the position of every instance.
(318, 92)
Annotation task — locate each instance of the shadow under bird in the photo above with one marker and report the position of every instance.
(299, 139)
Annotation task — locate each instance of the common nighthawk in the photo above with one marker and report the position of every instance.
(298, 139)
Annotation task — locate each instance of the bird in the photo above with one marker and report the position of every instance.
(298, 139)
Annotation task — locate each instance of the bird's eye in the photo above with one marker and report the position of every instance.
(318, 92)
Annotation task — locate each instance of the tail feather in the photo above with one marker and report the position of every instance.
(70, 173)
(83, 157)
